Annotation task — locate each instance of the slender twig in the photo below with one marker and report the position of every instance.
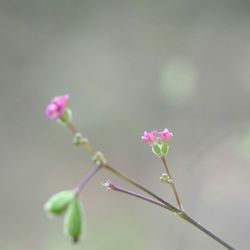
(86, 179)
(86, 146)
(136, 184)
(183, 215)
(177, 211)
(111, 186)
(188, 218)
(71, 127)
(172, 184)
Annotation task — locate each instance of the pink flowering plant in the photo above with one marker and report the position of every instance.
(67, 203)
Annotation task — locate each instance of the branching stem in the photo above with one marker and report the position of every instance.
(182, 215)
(161, 202)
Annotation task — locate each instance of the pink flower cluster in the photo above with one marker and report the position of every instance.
(152, 137)
(57, 107)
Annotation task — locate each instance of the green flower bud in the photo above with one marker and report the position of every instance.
(78, 139)
(99, 159)
(156, 149)
(73, 220)
(164, 149)
(66, 117)
(165, 178)
(59, 202)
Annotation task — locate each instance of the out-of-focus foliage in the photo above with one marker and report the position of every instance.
(178, 80)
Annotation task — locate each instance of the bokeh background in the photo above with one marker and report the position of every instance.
(128, 66)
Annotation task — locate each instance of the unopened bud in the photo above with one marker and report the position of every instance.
(99, 159)
(59, 202)
(165, 178)
(78, 139)
(73, 220)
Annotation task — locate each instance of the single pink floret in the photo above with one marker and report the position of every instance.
(150, 137)
(57, 107)
(165, 135)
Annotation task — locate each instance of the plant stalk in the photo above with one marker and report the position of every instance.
(172, 184)
(86, 179)
(182, 215)
(167, 205)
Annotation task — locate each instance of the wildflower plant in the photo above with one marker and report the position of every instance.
(67, 203)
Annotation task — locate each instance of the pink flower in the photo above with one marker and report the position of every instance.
(165, 135)
(57, 107)
(150, 137)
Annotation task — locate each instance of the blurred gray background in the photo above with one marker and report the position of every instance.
(128, 66)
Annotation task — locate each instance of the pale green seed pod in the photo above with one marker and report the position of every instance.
(73, 220)
(59, 202)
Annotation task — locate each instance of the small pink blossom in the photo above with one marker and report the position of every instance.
(150, 137)
(165, 135)
(57, 107)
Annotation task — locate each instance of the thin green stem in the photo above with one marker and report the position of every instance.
(172, 184)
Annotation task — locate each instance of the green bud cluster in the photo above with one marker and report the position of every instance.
(165, 178)
(78, 139)
(65, 203)
(99, 159)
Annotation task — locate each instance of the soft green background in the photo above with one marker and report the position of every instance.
(128, 66)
